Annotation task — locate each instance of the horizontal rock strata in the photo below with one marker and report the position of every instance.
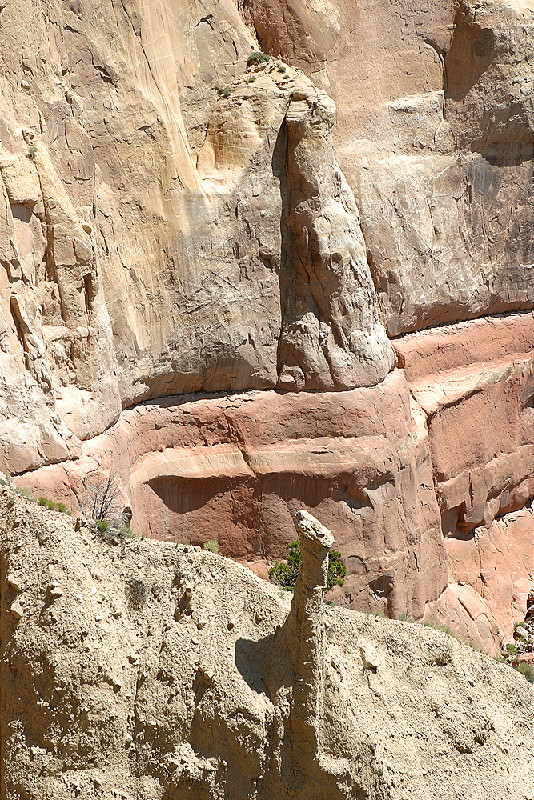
(180, 219)
(243, 465)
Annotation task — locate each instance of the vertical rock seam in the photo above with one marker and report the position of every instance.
(308, 645)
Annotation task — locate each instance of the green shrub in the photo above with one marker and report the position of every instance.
(212, 545)
(251, 79)
(32, 152)
(20, 490)
(285, 575)
(281, 68)
(224, 91)
(527, 670)
(125, 532)
(336, 569)
(113, 532)
(51, 506)
(256, 58)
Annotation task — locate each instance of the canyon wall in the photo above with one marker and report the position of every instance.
(303, 282)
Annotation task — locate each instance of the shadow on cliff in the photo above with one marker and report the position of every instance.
(265, 664)
(471, 52)
(286, 274)
(505, 137)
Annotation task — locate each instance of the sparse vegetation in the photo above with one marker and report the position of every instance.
(443, 629)
(281, 68)
(224, 91)
(527, 670)
(256, 58)
(251, 79)
(32, 152)
(103, 499)
(23, 492)
(212, 545)
(114, 532)
(285, 575)
(125, 532)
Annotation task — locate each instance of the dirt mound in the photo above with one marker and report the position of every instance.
(152, 670)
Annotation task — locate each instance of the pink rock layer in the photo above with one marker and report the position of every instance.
(409, 475)
(235, 469)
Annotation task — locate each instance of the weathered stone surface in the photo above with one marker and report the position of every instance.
(153, 239)
(435, 135)
(170, 672)
(474, 382)
(153, 227)
(173, 221)
(491, 575)
(250, 461)
(243, 465)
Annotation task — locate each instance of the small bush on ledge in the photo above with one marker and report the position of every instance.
(256, 58)
(112, 532)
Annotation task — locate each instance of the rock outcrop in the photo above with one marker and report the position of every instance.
(179, 219)
(435, 132)
(141, 264)
(154, 670)
(306, 644)
(240, 467)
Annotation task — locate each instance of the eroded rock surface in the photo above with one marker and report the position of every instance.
(175, 222)
(161, 671)
(238, 468)
(154, 228)
(436, 137)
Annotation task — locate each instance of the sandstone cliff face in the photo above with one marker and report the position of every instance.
(149, 252)
(242, 467)
(154, 670)
(435, 133)
(163, 238)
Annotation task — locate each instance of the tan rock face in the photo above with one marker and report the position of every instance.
(152, 226)
(435, 136)
(155, 671)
